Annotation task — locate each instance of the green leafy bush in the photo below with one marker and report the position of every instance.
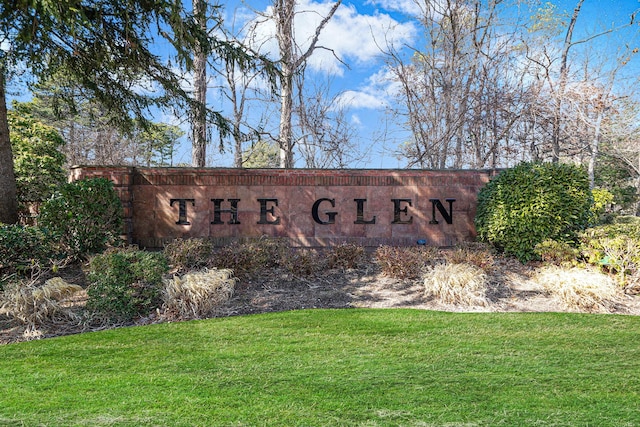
(558, 253)
(600, 212)
(403, 262)
(86, 216)
(125, 283)
(36, 157)
(25, 249)
(188, 254)
(531, 203)
(614, 247)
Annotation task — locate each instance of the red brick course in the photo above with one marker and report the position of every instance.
(231, 204)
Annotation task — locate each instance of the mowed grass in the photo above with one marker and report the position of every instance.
(333, 368)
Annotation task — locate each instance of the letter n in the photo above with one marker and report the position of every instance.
(437, 204)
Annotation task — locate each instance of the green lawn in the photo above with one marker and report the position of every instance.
(333, 368)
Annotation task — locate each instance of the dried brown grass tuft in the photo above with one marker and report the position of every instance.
(197, 294)
(35, 305)
(404, 262)
(478, 254)
(580, 289)
(461, 284)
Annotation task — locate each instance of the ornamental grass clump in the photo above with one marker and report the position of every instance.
(580, 289)
(478, 254)
(36, 305)
(197, 295)
(460, 284)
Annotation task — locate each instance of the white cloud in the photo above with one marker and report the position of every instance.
(377, 92)
(361, 99)
(349, 36)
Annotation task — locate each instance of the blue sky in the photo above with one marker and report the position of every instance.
(355, 34)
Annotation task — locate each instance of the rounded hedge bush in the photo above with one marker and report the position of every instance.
(85, 215)
(533, 202)
(125, 283)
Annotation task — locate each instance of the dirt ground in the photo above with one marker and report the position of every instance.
(510, 291)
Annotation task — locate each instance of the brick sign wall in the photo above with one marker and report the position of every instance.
(310, 207)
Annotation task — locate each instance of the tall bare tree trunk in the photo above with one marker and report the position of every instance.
(199, 124)
(286, 113)
(595, 150)
(8, 192)
(284, 23)
(291, 61)
(557, 120)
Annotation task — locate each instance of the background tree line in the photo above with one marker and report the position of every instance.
(492, 83)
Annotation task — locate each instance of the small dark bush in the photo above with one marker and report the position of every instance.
(250, 259)
(403, 262)
(25, 249)
(188, 254)
(531, 203)
(125, 283)
(304, 262)
(346, 255)
(86, 216)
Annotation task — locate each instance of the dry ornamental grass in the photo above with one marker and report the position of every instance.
(463, 284)
(37, 305)
(197, 294)
(580, 289)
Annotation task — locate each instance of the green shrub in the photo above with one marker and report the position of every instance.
(188, 254)
(37, 160)
(403, 262)
(25, 249)
(614, 247)
(531, 203)
(86, 216)
(600, 212)
(125, 283)
(558, 253)
(346, 255)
